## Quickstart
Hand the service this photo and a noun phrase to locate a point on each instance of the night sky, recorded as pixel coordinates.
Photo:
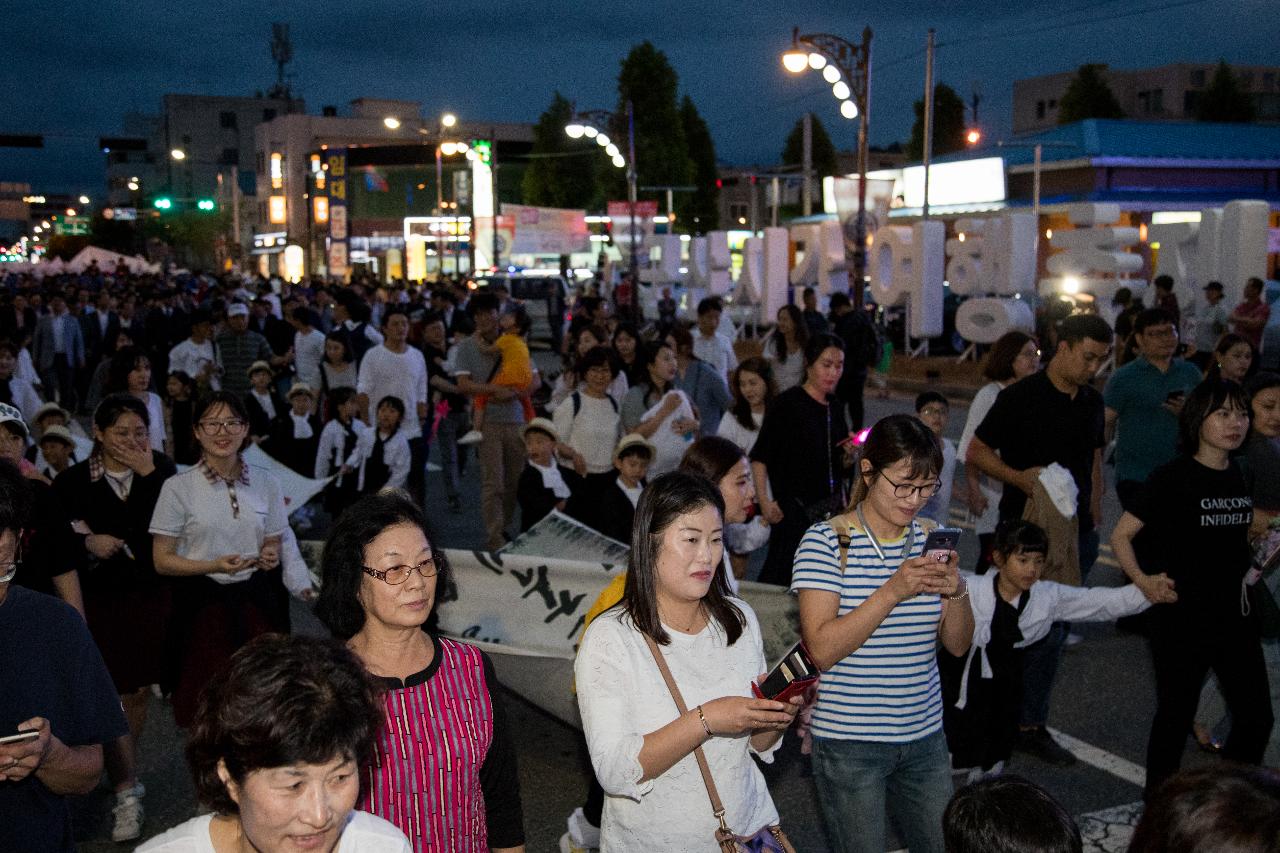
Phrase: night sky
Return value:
(71, 69)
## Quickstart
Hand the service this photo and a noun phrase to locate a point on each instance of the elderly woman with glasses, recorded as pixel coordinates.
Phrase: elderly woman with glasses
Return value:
(443, 768)
(217, 529)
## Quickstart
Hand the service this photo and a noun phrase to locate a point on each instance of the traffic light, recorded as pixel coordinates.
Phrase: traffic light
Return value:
(163, 203)
(205, 204)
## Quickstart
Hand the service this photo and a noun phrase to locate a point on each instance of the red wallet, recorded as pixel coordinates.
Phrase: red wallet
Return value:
(793, 675)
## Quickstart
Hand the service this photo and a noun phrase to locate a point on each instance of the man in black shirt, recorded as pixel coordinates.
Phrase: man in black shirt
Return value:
(1051, 416)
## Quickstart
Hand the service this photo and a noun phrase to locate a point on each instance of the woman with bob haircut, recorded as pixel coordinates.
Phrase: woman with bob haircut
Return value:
(1191, 522)
(217, 528)
(1013, 357)
(677, 597)
(275, 752)
(110, 498)
(443, 768)
(872, 611)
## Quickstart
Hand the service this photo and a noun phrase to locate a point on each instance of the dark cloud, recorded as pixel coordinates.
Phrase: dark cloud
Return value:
(77, 66)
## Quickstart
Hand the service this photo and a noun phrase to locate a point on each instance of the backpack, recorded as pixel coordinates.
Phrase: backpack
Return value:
(577, 402)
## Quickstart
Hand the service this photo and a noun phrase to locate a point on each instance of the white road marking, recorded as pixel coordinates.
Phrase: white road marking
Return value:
(1097, 757)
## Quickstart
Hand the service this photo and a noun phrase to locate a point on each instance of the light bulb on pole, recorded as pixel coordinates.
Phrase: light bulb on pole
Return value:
(178, 154)
(391, 122)
(575, 131)
(448, 120)
(795, 60)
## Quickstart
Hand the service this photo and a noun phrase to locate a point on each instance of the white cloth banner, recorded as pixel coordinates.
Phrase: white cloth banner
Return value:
(563, 538)
(297, 489)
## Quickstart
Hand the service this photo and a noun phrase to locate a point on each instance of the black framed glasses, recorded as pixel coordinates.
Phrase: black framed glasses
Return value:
(397, 575)
(903, 491)
(230, 426)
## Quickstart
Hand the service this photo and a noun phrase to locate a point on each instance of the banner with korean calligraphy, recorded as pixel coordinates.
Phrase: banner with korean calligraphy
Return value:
(336, 187)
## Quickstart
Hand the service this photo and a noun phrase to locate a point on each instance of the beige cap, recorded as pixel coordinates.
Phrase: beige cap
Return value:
(542, 425)
(260, 365)
(59, 432)
(633, 439)
(300, 388)
(50, 409)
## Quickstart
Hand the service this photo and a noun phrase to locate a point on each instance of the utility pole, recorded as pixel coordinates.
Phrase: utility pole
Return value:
(807, 165)
(928, 120)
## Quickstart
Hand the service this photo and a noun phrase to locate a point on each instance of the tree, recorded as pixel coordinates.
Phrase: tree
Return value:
(823, 151)
(1225, 100)
(703, 209)
(1088, 96)
(562, 171)
(648, 81)
(948, 124)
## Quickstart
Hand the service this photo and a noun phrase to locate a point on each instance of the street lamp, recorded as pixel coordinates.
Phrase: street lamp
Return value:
(847, 67)
(584, 124)
(178, 154)
(391, 123)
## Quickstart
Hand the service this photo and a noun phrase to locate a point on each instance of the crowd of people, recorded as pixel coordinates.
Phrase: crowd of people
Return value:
(143, 548)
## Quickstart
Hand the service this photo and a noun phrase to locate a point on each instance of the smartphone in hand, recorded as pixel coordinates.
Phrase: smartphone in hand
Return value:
(791, 677)
(941, 542)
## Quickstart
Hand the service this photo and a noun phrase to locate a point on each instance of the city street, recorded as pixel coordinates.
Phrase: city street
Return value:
(1102, 702)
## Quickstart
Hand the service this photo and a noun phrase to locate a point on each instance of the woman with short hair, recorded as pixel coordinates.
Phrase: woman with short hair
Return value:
(217, 528)
(677, 605)
(275, 753)
(110, 498)
(1191, 523)
(443, 768)
(1014, 356)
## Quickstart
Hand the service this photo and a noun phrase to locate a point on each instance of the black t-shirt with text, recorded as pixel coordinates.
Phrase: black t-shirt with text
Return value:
(1195, 528)
(1033, 424)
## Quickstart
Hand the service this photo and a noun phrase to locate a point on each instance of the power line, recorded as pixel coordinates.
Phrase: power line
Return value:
(1068, 24)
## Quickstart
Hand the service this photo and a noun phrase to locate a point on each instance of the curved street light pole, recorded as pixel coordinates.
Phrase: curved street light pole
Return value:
(854, 64)
(604, 118)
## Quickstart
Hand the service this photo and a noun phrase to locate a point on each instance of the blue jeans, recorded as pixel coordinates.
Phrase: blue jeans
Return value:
(857, 778)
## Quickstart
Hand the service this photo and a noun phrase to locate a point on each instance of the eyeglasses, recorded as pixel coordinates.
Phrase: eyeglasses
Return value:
(126, 434)
(397, 575)
(903, 491)
(229, 426)
(8, 570)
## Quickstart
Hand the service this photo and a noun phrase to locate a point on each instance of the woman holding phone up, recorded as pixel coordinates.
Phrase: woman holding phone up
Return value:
(872, 609)
(217, 528)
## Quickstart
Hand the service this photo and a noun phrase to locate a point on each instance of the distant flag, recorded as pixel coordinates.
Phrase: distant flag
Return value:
(373, 180)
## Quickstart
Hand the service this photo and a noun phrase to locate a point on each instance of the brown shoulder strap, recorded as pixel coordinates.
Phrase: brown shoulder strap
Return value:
(840, 525)
(716, 805)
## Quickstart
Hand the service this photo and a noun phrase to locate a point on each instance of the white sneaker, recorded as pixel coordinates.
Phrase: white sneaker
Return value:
(582, 834)
(472, 437)
(128, 815)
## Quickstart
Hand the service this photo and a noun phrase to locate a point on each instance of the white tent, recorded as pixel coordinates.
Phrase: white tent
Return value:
(108, 261)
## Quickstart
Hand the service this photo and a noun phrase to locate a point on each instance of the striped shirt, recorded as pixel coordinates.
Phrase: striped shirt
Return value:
(887, 690)
(426, 772)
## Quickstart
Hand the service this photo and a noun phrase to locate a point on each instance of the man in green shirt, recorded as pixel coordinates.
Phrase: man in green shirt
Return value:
(1143, 399)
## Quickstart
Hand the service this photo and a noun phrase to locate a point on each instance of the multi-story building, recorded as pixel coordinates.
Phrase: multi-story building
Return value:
(389, 183)
(1167, 92)
(193, 149)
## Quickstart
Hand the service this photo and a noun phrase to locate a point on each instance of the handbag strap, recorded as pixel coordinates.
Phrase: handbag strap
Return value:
(716, 805)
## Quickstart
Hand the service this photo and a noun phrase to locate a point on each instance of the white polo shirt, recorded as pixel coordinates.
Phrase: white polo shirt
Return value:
(196, 508)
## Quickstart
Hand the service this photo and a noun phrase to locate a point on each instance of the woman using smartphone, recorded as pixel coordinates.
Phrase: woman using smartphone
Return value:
(872, 610)
(641, 746)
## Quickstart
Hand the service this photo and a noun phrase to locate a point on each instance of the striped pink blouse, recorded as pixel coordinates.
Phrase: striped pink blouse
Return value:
(425, 773)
